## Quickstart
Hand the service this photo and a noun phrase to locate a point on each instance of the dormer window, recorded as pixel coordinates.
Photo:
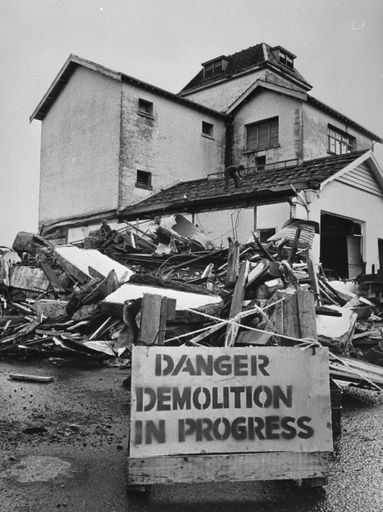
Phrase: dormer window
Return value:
(285, 58)
(214, 67)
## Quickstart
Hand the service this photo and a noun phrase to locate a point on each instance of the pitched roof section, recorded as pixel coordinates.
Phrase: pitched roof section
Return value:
(260, 187)
(261, 55)
(73, 62)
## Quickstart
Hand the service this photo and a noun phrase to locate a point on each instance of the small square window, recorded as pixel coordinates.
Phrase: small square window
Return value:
(145, 107)
(260, 162)
(265, 234)
(144, 179)
(207, 129)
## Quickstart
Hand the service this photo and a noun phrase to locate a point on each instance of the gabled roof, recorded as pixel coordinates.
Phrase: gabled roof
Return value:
(261, 84)
(259, 187)
(73, 62)
(258, 56)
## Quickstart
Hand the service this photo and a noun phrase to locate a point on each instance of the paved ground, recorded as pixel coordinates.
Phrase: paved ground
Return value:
(64, 446)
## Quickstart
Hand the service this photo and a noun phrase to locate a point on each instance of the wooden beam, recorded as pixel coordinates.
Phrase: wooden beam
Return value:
(306, 311)
(232, 262)
(313, 277)
(153, 319)
(238, 467)
(237, 303)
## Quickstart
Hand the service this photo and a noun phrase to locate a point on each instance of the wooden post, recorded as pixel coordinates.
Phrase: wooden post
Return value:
(237, 304)
(153, 319)
(306, 310)
(290, 313)
(232, 262)
(313, 277)
(295, 316)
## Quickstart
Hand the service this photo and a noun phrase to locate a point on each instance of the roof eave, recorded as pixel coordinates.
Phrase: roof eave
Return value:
(72, 62)
(274, 195)
(342, 117)
(172, 96)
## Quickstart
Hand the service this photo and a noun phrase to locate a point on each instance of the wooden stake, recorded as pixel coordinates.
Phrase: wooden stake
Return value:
(313, 277)
(237, 304)
(232, 262)
(306, 310)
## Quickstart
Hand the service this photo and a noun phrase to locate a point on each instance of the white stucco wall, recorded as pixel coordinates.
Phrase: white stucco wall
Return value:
(222, 95)
(315, 123)
(341, 199)
(170, 145)
(80, 148)
(272, 215)
(266, 104)
(218, 226)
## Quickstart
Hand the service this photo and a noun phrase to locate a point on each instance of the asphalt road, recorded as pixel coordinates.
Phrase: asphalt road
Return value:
(64, 447)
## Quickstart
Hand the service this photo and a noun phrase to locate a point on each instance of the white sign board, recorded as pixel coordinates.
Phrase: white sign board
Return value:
(188, 400)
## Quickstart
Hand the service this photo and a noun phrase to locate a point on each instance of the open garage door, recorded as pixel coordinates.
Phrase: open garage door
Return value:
(341, 246)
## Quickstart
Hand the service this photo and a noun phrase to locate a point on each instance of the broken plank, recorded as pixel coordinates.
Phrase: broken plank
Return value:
(227, 467)
(364, 334)
(206, 334)
(28, 278)
(237, 303)
(30, 378)
(52, 278)
(232, 262)
(153, 319)
(306, 311)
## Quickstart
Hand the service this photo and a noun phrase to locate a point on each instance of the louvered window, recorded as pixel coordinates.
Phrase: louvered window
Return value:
(262, 135)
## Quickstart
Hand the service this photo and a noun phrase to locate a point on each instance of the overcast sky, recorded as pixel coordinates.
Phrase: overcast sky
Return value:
(338, 43)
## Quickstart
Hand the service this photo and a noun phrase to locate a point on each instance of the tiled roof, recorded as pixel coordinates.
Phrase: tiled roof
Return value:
(257, 187)
(241, 61)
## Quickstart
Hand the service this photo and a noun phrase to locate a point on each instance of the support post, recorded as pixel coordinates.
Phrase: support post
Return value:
(153, 319)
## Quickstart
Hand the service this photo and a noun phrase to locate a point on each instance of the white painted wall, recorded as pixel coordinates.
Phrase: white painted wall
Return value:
(222, 95)
(315, 123)
(341, 199)
(80, 149)
(170, 146)
(218, 226)
(265, 104)
(272, 215)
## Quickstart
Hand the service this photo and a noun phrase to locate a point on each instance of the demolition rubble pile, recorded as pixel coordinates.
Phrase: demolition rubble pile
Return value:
(168, 284)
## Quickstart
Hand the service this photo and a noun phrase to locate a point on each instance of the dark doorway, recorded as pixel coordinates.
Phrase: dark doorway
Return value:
(340, 247)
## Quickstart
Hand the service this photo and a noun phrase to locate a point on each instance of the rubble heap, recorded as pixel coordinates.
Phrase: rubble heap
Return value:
(168, 284)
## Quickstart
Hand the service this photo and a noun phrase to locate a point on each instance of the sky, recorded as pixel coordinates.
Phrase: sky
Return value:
(338, 44)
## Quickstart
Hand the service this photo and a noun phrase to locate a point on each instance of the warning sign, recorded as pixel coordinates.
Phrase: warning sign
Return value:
(187, 400)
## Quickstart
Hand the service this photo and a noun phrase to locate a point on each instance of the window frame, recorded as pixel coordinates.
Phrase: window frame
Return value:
(271, 143)
(265, 233)
(286, 60)
(214, 67)
(209, 133)
(339, 139)
(141, 183)
(145, 108)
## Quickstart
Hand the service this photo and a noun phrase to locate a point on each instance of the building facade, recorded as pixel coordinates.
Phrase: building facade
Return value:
(110, 141)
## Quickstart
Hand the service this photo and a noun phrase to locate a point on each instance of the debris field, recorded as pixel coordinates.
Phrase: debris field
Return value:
(165, 283)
